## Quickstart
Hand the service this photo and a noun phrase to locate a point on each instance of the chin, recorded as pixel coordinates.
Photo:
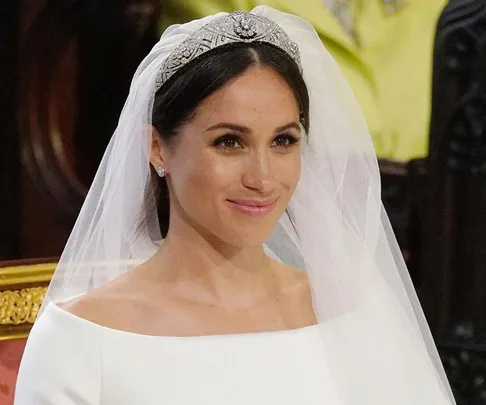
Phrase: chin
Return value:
(241, 231)
(248, 232)
(245, 238)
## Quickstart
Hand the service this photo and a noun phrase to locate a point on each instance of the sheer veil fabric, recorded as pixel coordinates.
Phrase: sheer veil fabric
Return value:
(375, 339)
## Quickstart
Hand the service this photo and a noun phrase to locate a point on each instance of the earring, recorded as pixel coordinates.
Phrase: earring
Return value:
(160, 171)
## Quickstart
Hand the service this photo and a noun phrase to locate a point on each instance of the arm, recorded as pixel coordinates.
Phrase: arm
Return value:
(61, 363)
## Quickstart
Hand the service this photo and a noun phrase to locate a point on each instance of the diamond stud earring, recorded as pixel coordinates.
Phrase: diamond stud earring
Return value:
(160, 171)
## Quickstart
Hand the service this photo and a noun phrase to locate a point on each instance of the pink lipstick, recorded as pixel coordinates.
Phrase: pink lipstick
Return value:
(253, 207)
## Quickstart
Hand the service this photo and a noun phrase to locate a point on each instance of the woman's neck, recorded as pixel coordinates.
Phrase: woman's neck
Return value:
(188, 257)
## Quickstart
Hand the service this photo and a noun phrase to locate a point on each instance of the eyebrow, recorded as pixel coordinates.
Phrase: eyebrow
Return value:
(246, 130)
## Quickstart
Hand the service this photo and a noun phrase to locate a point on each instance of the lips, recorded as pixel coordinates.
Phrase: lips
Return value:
(253, 207)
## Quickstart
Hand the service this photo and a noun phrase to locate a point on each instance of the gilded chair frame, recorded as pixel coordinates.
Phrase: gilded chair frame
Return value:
(22, 289)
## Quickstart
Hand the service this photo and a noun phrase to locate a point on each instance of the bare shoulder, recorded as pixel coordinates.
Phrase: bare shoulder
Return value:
(292, 279)
(97, 307)
(296, 293)
(109, 305)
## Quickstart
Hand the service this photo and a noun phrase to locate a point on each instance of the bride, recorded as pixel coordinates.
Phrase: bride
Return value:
(278, 280)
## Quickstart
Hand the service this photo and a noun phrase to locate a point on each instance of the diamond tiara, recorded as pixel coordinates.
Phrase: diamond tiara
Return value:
(232, 28)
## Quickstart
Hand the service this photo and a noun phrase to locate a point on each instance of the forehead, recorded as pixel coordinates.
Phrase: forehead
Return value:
(259, 95)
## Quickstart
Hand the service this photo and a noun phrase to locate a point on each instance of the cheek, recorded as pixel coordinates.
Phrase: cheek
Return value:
(289, 171)
(199, 179)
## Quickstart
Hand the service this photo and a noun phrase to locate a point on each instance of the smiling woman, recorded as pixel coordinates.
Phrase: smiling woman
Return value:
(259, 99)
(240, 150)
(242, 128)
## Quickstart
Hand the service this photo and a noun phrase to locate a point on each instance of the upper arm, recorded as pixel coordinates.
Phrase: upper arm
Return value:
(61, 363)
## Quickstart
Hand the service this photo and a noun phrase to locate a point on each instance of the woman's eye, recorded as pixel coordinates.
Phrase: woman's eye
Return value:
(285, 141)
(228, 142)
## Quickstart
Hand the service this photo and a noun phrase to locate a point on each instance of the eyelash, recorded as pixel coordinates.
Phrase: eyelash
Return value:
(220, 142)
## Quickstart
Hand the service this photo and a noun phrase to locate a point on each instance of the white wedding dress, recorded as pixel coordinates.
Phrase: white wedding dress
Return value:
(71, 361)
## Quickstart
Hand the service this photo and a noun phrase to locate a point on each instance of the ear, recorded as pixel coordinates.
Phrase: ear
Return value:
(158, 150)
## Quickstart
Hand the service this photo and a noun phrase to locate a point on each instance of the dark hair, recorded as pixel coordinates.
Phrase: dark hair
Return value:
(177, 100)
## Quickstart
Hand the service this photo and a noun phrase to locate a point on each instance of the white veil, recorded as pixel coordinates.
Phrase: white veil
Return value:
(375, 339)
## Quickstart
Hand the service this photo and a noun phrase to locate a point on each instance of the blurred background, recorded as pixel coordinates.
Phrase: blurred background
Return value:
(417, 68)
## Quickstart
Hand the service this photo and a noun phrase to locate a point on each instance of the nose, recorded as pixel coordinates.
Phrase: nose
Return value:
(258, 175)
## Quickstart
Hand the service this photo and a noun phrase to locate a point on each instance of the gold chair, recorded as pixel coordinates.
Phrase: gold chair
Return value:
(23, 285)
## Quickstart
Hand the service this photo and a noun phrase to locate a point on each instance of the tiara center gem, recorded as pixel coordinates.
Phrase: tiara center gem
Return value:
(245, 28)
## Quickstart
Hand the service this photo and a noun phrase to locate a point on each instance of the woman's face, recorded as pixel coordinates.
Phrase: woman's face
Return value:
(237, 162)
